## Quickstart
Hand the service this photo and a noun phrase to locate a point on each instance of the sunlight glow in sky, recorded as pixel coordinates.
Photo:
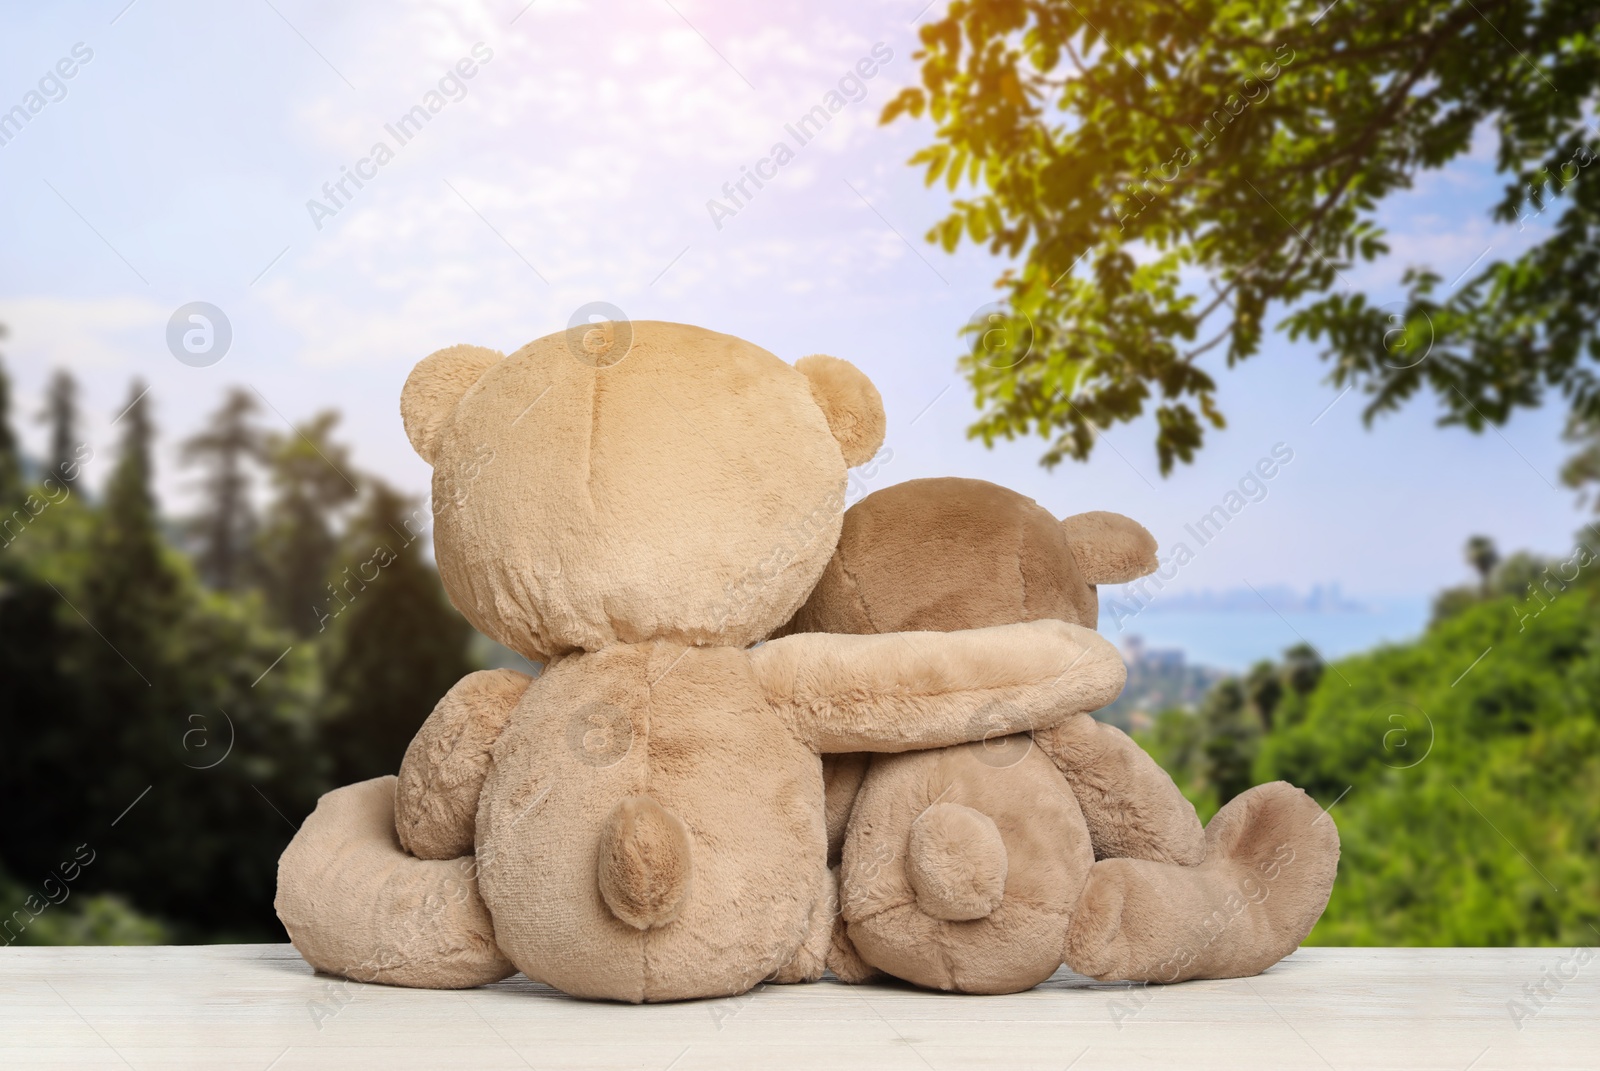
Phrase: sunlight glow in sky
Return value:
(231, 154)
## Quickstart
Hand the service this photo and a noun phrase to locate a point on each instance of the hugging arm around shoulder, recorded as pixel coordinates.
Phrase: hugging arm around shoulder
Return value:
(906, 690)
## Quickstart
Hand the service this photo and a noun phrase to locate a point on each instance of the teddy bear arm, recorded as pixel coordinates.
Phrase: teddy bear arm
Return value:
(436, 803)
(1132, 807)
(907, 690)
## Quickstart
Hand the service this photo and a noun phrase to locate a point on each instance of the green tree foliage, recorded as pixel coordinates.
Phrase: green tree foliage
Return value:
(10, 454)
(131, 584)
(1582, 470)
(1232, 735)
(61, 416)
(299, 542)
(41, 701)
(175, 732)
(1520, 574)
(1472, 813)
(1465, 768)
(129, 594)
(1483, 557)
(54, 915)
(396, 644)
(1177, 740)
(1302, 669)
(227, 525)
(1122, 149)
(130, 672)
(1264, 689)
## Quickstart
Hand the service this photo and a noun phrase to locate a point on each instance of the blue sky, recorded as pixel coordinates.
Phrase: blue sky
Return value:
(576, 167)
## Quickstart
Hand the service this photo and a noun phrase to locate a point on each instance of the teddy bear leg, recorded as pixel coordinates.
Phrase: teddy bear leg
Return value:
(816, 949)
(841, 781)
(436, 802)
(962, 865)
(1133, 809)
(844, 960)
(1271, 856)
(356, 905)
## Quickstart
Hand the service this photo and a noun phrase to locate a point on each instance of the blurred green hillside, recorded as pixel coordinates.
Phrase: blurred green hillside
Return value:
(1463, 769)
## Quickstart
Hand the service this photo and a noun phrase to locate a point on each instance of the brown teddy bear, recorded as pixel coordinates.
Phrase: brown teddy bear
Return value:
(974, 867)
(634, 505)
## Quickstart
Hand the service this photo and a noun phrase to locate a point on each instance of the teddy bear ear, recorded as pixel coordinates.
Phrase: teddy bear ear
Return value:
(851, 403)
(434, 387)
(1110, 548)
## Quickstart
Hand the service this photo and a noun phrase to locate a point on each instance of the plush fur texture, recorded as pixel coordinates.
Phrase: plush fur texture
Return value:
(956, 861)
(1130, 803)
(433, 388)
(726, 741)
(647, 817)
(1110, 548)
(841, 780)
(920, 870)
(445, 765)
(907, 690)
(927, 553)
(1016, 944)
(357, 905)
(1271, 857)
(851, 403)
(688, 492)
(645, 863)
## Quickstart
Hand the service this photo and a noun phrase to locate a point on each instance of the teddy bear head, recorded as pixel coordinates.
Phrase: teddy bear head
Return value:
(950, 553)
(629, 481)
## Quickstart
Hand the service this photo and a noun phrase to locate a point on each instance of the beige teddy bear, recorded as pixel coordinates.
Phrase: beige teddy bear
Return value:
(975, 867)
(635, 505)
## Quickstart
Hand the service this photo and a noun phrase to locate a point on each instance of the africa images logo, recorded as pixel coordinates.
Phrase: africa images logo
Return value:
(52, 88)
(452, 88)
(850, 89)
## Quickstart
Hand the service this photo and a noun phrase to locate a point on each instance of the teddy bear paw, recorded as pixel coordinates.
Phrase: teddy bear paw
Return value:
(1097, 945)
(1283, 851)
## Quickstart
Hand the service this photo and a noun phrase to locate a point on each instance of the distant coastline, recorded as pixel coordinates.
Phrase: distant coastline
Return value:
(1229, 635)
(1279, 598)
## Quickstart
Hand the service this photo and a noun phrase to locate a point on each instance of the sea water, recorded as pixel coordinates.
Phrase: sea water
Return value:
(1234, 639)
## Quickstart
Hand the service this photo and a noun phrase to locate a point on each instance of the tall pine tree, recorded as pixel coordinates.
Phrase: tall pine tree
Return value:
(227, 523)
(133, 672)
(29, 684)
(130, 576)
(397, 643)
(10, 454)
(60, 414)
(299, 543)
(42, 756)
(191, 732)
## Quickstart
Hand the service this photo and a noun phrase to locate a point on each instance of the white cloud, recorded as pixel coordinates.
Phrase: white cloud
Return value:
(87, 335)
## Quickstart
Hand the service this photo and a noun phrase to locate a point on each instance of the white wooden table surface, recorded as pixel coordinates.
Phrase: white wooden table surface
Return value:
(257, 1007)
